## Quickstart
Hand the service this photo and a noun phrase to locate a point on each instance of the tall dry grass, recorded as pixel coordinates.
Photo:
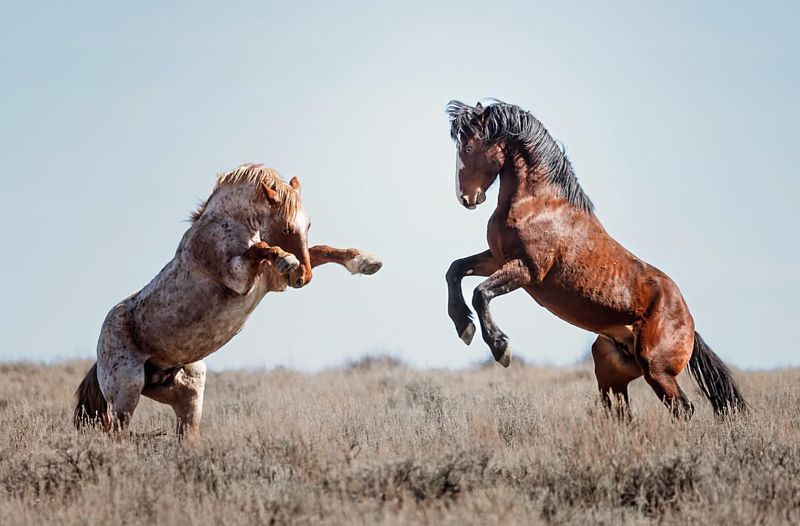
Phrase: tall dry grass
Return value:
(378, 443)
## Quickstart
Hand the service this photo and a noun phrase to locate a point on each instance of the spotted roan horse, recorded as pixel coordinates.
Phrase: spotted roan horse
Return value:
(249, 238)
(545, 238)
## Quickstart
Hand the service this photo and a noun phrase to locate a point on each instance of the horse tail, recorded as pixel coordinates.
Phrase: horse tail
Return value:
(92, 407)
(714, 379)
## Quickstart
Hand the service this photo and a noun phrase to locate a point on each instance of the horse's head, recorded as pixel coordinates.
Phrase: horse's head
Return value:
(478, 159)
(286, 226)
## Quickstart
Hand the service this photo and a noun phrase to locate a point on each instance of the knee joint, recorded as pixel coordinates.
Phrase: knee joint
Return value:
(195, 370)
(453, 273)
(479, 297)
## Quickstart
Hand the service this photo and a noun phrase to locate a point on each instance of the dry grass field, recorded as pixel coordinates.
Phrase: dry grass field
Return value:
(378, 443)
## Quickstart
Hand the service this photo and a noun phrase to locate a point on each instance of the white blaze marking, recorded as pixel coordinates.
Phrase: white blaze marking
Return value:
(301, 221)
(459, 166)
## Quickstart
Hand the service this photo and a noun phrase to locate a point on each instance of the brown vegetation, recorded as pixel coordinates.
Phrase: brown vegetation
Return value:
(376, 442)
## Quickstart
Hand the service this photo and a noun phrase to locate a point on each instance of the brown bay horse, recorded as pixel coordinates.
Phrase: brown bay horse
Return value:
(545, 238)
(249, 238)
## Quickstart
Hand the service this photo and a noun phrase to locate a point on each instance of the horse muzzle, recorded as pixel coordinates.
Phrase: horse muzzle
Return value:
(471, 202)
(298, 278)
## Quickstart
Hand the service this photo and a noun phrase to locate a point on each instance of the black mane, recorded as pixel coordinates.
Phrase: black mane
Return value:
(499, 120)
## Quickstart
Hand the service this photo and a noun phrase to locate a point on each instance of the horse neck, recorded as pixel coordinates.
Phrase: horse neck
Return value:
(523, 181)
(235, 201)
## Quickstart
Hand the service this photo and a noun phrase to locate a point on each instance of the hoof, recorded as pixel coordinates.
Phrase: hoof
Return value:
(287, 264)
(505, 358)
(501, 350)
(467, 334)
(364, 264)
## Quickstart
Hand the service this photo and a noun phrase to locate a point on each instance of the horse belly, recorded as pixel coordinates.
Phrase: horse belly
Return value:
(578, 310)
(185, 326)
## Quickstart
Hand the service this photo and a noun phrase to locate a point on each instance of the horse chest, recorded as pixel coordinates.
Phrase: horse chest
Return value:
(506, 236)
(184, 321)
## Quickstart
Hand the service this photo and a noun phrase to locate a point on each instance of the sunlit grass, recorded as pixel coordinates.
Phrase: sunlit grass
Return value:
(377, 442)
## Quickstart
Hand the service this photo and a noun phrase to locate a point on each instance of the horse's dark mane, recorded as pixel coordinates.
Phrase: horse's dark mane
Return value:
(499, 120)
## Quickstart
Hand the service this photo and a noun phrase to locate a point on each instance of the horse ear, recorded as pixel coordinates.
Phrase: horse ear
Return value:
(295, 183)
(479, 108)
(271, 194)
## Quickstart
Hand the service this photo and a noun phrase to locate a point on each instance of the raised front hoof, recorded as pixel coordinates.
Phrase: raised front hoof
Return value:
(364, 264)
(467, 333)
(505, 358)
(501, 351)
(287, 263)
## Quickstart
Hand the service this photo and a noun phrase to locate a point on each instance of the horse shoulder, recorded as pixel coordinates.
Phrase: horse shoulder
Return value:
(217, 249)
(212, 244)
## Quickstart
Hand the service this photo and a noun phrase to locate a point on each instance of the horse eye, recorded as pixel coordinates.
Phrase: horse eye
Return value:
(468, 149)
(286, 230)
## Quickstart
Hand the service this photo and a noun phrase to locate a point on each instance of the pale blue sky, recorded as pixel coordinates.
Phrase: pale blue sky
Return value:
(681, 120)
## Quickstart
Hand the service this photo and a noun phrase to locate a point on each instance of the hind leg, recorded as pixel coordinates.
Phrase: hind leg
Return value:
(184, 392)
(667, 389)
(120, 369)
(663, 348)
(614, 369)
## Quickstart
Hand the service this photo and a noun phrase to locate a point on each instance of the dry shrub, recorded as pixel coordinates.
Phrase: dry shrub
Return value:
(378, 442)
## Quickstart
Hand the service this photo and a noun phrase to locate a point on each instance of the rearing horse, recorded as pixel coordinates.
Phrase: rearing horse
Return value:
(545, 238)
(249, 238)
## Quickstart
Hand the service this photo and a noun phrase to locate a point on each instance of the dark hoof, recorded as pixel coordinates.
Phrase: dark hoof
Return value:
(501, 350)
(468, 333)
(505, 358)
(371, 268)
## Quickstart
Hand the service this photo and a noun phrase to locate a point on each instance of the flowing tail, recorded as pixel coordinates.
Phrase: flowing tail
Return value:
(715, 379)
(92, 407)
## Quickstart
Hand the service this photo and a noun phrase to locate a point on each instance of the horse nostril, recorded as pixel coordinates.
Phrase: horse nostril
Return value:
(298, 283)
(465, 200)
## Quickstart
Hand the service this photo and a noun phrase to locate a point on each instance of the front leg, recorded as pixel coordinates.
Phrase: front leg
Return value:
(240, 273)
(511, 276)
(352, 259)
(282, 261)
(226, 254)
(482, 264)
